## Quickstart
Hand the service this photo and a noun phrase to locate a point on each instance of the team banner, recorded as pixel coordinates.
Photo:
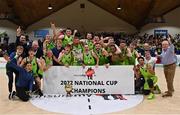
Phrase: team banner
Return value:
(89, 80)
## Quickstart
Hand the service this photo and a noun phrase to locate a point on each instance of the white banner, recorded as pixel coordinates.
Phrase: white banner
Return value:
(90, 80)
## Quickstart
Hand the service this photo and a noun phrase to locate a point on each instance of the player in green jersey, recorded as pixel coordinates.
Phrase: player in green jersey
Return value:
(35, 67)
(66, 57)
(102, 54)
(89, 57)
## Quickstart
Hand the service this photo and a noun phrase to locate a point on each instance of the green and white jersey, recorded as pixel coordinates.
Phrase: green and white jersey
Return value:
(67, 40)
(115, 59)
(124, 58)
(102, 59)
(66, 59)
(108, 49)
(48, 61)
(147, 75)
(88, 58)
(50, 45)
(34, 65)
(90, 44)
(133, 58)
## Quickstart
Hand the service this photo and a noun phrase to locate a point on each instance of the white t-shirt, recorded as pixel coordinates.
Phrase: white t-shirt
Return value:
(152, 61)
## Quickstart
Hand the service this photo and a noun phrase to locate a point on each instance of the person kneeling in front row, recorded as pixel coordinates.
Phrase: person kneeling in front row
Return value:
(24, 84)
(150, 79)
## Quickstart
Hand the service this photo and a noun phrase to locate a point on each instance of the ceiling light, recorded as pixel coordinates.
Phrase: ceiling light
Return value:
(119, 7)
(50, 7)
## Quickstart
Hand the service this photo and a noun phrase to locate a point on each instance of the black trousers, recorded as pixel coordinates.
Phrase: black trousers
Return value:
(139, 83)
(9, 73)
(21, 93)
(151, 85)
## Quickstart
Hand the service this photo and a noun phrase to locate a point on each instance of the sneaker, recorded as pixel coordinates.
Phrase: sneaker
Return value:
(150, 96)
(105, 97)
(40, 93)
(120, 97)
(35, 92)
(114, 96)
(13, 95)
(10, 95)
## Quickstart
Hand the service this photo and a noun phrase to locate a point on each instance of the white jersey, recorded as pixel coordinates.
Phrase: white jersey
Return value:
(152, 61)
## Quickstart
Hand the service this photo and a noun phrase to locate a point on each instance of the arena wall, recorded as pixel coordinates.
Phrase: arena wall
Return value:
(172, 24)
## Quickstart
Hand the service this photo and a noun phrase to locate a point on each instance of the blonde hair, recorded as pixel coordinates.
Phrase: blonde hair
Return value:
(35, 42)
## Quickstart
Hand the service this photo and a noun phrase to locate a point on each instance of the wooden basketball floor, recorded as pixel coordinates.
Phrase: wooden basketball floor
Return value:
(157, 106)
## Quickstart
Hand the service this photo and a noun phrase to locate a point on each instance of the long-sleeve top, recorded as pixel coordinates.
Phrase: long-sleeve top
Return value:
(25, 79)
(12, 56)
(56, 52)
(168, 56)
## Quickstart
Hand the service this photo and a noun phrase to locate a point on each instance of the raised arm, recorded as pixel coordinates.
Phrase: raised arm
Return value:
(102, 41)
(53, 27)
(171, 46)
(74, 33)
(104, 52)
(129, 54)
(18, 32)
(137, 54)
(14, 66)
(118, 50)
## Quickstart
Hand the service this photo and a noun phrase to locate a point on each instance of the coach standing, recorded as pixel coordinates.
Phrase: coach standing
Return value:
(168, 59)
